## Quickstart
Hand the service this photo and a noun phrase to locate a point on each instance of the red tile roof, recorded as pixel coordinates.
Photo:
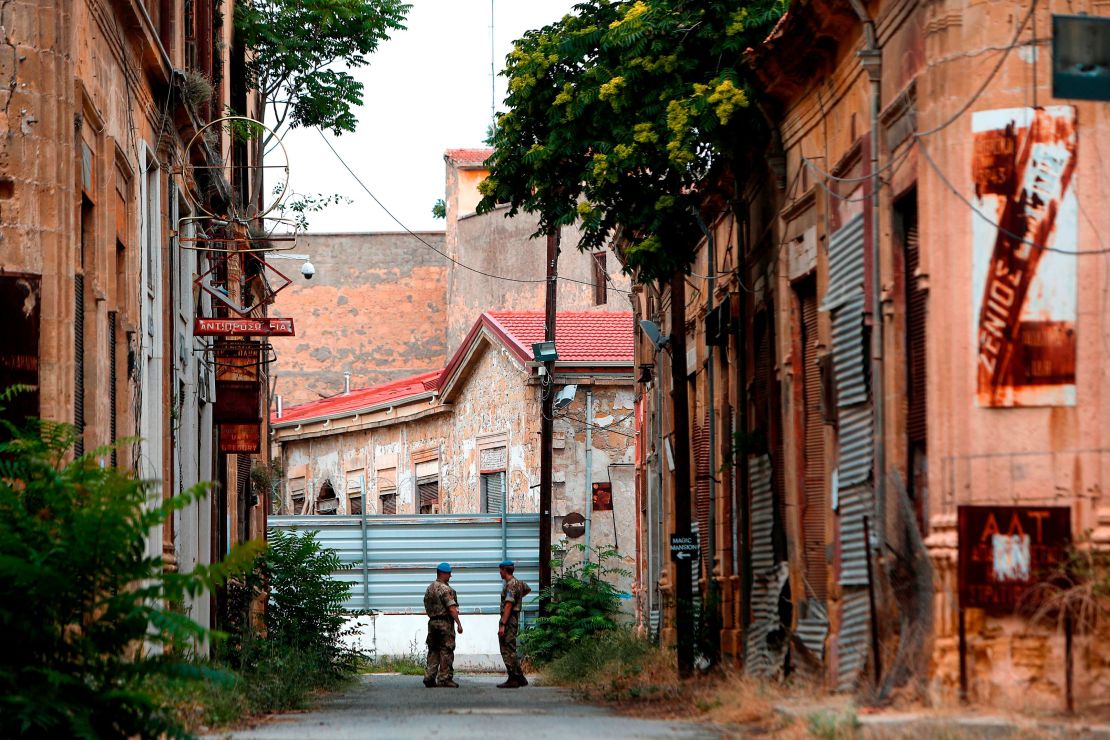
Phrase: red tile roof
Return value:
(580, 336)
(358, 400)
(468, 157)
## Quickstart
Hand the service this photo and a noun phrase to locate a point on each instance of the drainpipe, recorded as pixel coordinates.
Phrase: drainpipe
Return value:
(589, 464)
(871, 60)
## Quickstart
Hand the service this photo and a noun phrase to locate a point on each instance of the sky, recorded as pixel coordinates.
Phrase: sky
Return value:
(427, 90)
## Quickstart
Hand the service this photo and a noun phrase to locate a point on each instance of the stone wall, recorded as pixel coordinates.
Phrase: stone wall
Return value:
(376, 308)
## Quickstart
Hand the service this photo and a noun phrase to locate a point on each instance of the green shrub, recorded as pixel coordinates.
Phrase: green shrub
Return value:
(87, 626)
(607, 655)
(581, 603)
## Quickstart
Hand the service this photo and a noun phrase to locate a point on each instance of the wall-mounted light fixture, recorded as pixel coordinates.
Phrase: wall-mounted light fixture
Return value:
(544, 352)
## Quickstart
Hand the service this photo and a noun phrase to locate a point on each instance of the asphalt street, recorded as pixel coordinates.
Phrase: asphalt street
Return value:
(395, 706)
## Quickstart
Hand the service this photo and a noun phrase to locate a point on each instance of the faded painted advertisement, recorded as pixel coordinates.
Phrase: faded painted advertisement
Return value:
(1025, 290)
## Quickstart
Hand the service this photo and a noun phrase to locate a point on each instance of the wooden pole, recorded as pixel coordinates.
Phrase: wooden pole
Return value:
(547, 423)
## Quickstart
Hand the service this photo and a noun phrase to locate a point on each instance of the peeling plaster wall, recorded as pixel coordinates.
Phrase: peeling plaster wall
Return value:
(376, 308)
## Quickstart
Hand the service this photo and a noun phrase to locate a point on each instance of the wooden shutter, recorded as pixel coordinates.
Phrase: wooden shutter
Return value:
(916, 308)
(702, 482)
(79, 362)
(113, 354)
(814, 512)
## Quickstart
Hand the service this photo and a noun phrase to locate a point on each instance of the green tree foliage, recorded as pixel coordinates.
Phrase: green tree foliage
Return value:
(298, 46)
(622, 114)
(86, 610)
(581, 604)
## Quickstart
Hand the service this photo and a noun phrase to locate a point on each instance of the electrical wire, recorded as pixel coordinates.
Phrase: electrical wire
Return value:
(443, 254)
(1002, 230)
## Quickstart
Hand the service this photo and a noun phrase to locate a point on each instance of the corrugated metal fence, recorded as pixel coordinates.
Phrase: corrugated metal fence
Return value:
(390, 560)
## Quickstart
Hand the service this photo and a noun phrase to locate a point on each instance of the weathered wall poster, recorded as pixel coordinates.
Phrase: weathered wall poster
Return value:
(1025, 294)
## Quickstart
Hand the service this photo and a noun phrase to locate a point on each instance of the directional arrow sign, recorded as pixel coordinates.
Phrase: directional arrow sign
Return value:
(683, 546)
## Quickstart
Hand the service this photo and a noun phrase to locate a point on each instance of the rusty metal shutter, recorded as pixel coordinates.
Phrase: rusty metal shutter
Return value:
(763, 657)
(814, 513)
(845, 264)
(702, 482)
(79, 362)
(428, 494)
(916, 308)
(851, 640)
(389, 503)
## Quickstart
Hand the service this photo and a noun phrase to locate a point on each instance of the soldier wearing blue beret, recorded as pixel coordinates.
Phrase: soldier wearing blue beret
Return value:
(512, 598)
(442, 605)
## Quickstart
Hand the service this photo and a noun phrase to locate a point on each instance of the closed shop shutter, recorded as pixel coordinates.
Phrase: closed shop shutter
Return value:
(702, 483)
(814, 457)
(493, 493)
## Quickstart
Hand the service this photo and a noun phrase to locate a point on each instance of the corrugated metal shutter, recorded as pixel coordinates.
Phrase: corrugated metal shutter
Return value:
(702, 482)
(916, 314)
(851, 641)
(814, 516)
(493, 493)
(855, 445)
(848, 353)
(428, 492)
(763, 659)
(389, 503)
(79, 362)
(845, 264)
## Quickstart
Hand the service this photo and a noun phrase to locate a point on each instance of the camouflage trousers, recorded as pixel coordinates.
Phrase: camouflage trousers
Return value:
(441, 651)
(507, 642)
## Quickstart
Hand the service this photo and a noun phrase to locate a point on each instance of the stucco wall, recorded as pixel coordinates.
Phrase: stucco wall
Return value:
(376, 308)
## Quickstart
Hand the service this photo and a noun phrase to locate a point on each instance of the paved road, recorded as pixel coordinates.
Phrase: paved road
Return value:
(394, 706)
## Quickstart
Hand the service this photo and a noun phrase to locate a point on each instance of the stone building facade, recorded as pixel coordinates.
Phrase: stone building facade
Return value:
(95, 117)
(898, 144)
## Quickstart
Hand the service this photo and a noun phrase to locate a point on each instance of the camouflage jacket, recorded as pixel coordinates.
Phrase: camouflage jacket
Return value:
(513, 592)
(438, 600)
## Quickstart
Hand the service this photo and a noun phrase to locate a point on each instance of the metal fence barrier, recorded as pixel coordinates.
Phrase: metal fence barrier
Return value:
(390, 560)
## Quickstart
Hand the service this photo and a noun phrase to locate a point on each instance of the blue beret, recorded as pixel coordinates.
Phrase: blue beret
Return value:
(506, 564)
(444, 567)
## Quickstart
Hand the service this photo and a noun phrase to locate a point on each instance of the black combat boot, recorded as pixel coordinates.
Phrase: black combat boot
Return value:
(520, 679)
(448, 684)
(430, 683)
(510, 683)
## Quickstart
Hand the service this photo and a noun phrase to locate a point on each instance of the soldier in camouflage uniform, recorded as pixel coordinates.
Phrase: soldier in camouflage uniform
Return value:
(442, 606)
(512, 598)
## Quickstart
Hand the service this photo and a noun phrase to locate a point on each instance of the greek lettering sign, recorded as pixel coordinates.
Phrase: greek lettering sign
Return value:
(1005, 550)
(266, 327)
(1022, 167)
(684, 547)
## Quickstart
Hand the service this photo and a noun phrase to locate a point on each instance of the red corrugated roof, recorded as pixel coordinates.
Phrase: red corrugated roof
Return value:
(580, 336)
(468, 156)
(363, 398)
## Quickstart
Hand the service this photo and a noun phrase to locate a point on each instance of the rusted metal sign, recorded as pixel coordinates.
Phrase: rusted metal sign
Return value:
(266, 327)
(1022, 168)
(603, 496)
(1005, 550)
(21, 311)
(243, 439)
(238, 360)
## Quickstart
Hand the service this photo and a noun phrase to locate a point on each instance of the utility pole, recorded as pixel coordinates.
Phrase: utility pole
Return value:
(547, 427)
(683, 589)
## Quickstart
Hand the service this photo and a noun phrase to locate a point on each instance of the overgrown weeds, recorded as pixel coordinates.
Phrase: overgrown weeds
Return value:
(409, 664)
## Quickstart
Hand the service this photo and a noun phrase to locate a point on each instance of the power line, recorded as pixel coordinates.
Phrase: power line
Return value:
(430, 246)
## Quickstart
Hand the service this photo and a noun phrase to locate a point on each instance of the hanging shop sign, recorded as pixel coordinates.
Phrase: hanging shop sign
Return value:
(242, 439)
(238, 388)
(1004, 551)
(265, 327)
(1025, 290)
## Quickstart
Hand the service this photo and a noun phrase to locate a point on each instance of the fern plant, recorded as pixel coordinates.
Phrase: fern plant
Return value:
(581, 603)
(88, 612)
